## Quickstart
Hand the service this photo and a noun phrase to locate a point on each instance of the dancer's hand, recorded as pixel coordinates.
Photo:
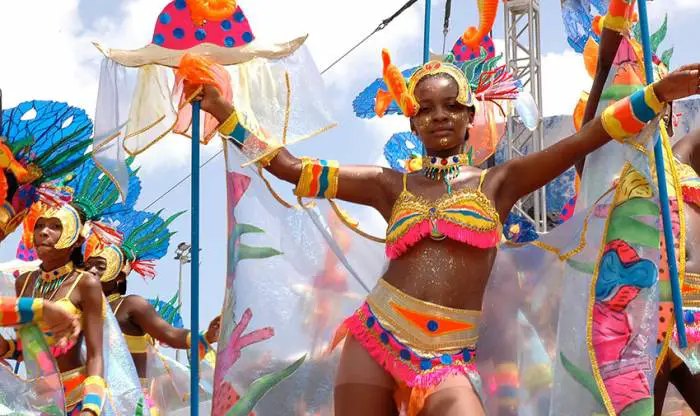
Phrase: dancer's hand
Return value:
(213, 331)
(681, 83)
(209, 97)
(64, 326)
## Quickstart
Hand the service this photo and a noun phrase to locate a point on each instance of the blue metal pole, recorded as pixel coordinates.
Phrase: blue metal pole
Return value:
(426, 32)
(194, 348)
(663, 190)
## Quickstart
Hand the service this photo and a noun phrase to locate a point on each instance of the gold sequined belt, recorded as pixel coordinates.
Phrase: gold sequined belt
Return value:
(426, 327)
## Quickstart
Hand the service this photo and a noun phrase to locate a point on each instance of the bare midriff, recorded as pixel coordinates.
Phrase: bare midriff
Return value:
(446, 272)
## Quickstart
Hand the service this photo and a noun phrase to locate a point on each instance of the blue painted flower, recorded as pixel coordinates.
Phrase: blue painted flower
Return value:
(613, 273)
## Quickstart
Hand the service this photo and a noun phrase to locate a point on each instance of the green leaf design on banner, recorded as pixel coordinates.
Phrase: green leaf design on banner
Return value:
(659, 35)
(52, 410)
(241, 229)
(139, 408)
(637, 31)
(248, 252)
(260, 387)
(640, 408)
(666, 57)
(624, 226)
(583, 378)
(583, 267)
(665, 292)
(618, 92)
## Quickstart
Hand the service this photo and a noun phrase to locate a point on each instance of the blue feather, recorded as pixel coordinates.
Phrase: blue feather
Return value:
(52, 135)
(169, 311)
(145, 234)
(578, 18)
(97, 195)
(364, 102)
(400, 148)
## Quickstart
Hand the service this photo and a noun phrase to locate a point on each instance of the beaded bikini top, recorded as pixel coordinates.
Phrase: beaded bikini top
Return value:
(465, 215)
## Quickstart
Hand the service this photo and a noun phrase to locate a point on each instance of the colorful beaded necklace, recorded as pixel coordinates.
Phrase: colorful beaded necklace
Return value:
(446, 169)
(49, 282)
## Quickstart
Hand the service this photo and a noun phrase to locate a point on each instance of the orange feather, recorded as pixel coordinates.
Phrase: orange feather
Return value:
(487, 17)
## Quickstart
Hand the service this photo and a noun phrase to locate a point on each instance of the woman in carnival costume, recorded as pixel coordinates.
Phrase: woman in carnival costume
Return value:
(40, 142)
(145, 240)
(415, 338)
(55, 234)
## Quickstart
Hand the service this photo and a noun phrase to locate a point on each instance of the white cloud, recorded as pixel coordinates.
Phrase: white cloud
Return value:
(564, 77)
(56, 60)
(661, 7)
(42, 60)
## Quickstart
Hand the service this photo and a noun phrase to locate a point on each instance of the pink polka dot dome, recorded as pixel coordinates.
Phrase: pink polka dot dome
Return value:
(176, 30)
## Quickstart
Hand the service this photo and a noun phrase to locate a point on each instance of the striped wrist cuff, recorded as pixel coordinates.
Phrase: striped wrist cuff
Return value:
(20, 311)
(232, 129)
(629, 116)
(94, 393)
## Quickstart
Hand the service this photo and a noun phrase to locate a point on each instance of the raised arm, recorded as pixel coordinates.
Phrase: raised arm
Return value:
(609, 43)
(366, 185)
(522, 176)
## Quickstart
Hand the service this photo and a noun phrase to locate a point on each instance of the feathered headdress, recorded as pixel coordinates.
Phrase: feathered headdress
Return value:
(145, 238)
(96, 196)
(41, 142)
(482, 82)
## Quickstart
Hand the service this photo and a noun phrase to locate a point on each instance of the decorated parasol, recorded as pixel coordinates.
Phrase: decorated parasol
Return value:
(206, 42)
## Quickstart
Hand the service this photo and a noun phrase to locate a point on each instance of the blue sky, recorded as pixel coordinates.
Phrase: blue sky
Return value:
(46, 54)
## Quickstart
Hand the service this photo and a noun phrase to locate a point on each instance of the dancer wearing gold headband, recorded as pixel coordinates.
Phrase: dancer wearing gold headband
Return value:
(57, 236)
(415, 338)
(145, 240)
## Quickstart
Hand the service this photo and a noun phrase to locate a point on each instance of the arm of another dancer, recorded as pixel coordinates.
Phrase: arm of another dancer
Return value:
(20, 311)
(609, 43)
(145, 316)
(366, 185)
(524, 175)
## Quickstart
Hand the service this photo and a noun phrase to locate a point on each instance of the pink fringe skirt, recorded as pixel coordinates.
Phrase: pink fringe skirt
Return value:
(419, 343)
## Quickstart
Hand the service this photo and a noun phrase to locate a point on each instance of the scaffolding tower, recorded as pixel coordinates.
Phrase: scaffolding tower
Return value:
(523, 58)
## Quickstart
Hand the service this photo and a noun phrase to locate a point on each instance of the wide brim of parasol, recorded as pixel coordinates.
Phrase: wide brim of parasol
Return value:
(158, 55)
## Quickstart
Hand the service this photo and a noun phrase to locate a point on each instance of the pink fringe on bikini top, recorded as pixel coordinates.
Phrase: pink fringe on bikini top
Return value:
(479, 239)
